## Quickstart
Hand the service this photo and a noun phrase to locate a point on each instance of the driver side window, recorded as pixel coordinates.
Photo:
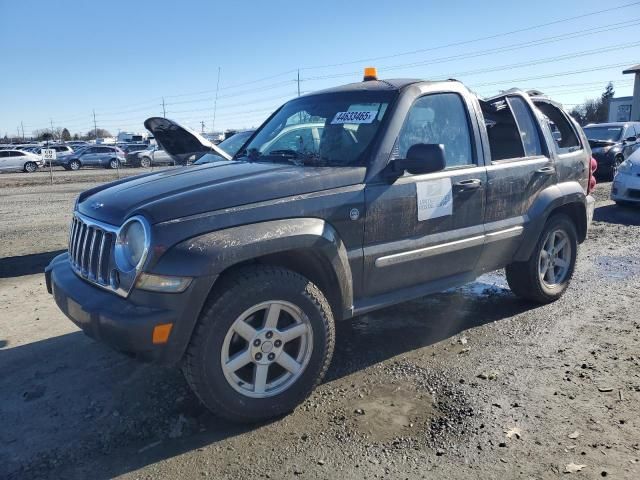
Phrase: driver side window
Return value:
(438, 119)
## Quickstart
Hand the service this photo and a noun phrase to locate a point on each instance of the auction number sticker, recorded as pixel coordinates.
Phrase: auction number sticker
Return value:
(434, 199)
(354, 117)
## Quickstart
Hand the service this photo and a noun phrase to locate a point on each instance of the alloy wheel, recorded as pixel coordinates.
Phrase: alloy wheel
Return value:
(555, 258)
(267, 348)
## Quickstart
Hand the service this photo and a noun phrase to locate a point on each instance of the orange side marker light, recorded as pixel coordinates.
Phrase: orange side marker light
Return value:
(161, 333)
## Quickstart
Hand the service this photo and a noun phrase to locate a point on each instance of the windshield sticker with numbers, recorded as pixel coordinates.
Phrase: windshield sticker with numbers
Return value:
(434, 199)
(354, 117)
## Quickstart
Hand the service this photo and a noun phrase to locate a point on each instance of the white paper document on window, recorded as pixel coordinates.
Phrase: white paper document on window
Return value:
(434, 198)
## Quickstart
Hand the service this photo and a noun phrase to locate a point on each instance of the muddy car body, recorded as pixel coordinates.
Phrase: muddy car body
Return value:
(237, 270)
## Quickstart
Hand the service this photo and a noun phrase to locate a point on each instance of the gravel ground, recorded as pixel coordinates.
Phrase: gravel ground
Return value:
(470, 383)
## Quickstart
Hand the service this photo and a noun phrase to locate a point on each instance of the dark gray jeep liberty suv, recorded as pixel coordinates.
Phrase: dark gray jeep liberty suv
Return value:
(344, 201)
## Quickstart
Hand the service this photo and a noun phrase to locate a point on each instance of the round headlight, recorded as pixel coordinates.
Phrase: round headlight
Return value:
(132, 244)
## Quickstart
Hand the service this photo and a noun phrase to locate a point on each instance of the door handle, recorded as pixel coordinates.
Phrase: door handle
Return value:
(471, 184)
(546, 170)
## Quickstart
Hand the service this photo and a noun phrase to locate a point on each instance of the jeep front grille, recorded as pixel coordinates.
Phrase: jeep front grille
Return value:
(91, 249)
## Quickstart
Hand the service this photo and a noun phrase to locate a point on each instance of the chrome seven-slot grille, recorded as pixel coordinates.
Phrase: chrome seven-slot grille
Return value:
(90, 247)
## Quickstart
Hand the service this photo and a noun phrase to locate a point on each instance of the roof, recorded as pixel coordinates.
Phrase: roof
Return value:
(634, 69)
(371, 85)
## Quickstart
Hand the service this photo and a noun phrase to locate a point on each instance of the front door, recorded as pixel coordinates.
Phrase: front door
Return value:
(90, 157)
(427, 229)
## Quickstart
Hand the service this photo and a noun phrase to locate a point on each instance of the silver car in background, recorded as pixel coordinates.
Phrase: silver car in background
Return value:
(153, 155)
(19, 161)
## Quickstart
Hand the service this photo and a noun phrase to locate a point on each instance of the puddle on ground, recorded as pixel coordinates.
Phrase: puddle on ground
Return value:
(617, 267)
(489, 284)
(394, 411)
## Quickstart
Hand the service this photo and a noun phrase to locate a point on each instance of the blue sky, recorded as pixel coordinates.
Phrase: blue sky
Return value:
(120, 58)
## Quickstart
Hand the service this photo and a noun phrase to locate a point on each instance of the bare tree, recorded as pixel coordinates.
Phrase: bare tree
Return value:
(594, 110)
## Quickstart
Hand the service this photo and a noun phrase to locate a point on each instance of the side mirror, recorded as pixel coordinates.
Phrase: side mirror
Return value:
(631, 139)
(421, 158)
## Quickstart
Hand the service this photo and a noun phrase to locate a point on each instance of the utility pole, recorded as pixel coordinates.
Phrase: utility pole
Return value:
(215, 103)
(164, 110)
(22, 126)
(95, 125)
(202, 126)
(51, 121)
(298, 82)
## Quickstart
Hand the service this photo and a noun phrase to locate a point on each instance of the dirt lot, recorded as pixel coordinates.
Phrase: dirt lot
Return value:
(471, 383)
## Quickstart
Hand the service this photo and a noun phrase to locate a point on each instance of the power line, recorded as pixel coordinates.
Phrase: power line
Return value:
(481, 53)
(473, 40)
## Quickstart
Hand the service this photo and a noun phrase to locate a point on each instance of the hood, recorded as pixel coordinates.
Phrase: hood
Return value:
(184, 191)
(181, 143)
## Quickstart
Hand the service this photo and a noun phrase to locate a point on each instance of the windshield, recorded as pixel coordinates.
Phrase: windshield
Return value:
(607, 134)
(333, 129)
(232, 144)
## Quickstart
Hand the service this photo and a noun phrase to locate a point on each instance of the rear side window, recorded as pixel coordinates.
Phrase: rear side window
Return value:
(566, 139)
(16, 154)
(527, 127)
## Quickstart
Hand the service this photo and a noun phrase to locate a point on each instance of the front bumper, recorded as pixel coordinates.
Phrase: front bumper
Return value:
(126, 324)
(626, 188)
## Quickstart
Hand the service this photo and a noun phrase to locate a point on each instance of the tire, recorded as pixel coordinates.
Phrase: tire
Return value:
(616, 164)
(526, 279)
(30, 167)
(145, 162)
(113, 164)
(234, 394)
(74, 165)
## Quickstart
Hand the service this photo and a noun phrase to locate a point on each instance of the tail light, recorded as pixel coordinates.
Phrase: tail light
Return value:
(593, 166)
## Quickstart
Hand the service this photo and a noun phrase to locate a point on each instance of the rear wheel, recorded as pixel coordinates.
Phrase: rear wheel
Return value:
(145, 162)
(74, 165)
(30, 167)
(113, 164)
(547, 274)
(262, 343)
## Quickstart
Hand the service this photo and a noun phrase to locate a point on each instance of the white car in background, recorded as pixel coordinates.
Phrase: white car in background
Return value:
(626, 184)
(19, 161)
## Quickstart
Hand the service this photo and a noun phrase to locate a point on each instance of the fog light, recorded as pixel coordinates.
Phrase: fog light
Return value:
(162, 283)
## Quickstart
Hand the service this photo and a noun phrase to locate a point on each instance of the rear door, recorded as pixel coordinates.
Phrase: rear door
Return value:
(16, 159)
(520, 168)
(427, 229)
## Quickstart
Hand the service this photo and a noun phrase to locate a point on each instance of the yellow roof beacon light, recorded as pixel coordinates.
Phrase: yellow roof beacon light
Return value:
(370, 73)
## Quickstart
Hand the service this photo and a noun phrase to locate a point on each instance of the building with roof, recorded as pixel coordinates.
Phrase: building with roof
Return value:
(635, 101)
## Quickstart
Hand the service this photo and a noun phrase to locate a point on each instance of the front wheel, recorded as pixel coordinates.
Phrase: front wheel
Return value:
(546, 275)
(113, 164)
(617, 161)
(30, 167)
(74, 165)
(262, 343)
(145, 162)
